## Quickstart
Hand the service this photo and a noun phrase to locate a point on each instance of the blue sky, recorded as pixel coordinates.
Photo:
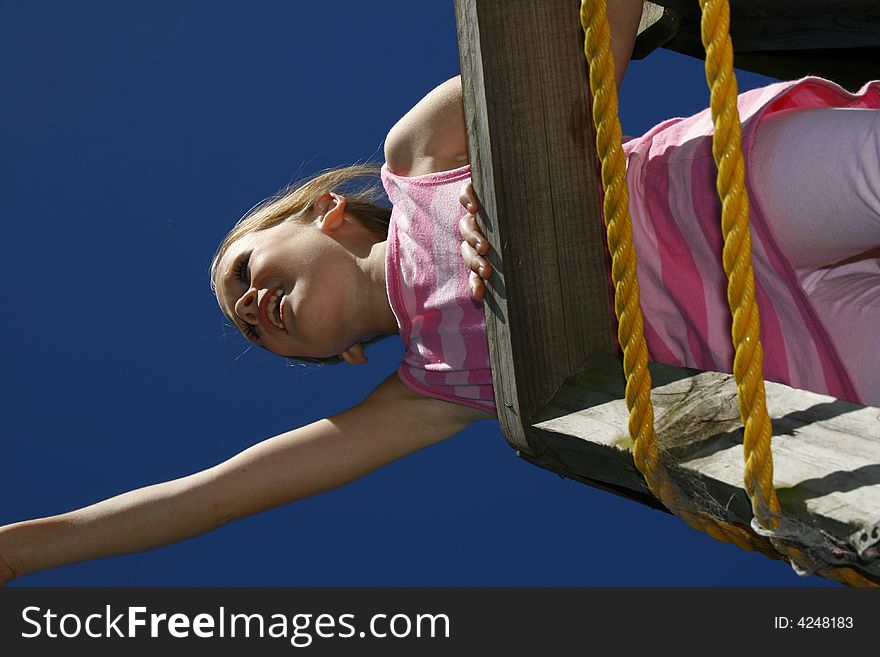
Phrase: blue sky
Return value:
(133, 136)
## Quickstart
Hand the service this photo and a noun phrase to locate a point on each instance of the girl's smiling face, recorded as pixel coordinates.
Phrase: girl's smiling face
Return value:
(297, 288)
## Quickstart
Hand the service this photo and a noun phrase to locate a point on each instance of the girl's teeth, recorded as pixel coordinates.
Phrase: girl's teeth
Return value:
(271, 306)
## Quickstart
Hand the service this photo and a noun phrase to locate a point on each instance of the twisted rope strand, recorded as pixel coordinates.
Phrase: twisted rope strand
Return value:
(745, 331)
(646, 453)
(748, 361)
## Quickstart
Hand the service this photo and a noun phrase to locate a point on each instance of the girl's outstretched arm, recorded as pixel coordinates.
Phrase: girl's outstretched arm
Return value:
(6, 572)
(390, 423)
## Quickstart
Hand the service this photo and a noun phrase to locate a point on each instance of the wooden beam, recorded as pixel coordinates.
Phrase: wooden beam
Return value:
(826, 452)
(534, 166)
(786, 39)
(758, 25)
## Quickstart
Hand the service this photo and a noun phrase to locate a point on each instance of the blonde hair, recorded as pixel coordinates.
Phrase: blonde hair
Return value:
(358, 183)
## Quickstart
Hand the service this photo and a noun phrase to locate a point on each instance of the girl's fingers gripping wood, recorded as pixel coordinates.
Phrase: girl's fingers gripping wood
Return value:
(471, 233)
(474, 259)
(478, 288)
(467, 226)
(474, 245)
(479, 266)
(475, 283)
(467, 197)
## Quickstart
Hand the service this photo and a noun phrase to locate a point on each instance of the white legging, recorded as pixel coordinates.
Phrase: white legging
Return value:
(816, 173)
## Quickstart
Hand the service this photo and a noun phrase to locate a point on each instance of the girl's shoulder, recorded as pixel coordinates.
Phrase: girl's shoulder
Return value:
(431, 137)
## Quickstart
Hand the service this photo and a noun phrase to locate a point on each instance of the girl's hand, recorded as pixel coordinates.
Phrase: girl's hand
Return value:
(475, 245)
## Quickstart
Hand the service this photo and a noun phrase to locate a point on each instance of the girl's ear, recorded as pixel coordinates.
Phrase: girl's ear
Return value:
(331, 211)
(354, 355)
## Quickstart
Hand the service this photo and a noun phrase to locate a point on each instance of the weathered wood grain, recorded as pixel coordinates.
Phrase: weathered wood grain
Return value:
(534, 170)
(826, 452)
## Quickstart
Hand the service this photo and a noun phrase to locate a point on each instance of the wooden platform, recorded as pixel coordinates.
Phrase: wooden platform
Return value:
(785, 39)
(558, 384)
(826, 451)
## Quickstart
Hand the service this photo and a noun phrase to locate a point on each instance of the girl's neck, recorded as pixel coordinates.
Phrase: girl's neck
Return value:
(380, 319)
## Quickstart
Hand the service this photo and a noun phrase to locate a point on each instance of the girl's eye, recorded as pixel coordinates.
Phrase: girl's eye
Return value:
(250, 332)
(241, 270)
(244, 275)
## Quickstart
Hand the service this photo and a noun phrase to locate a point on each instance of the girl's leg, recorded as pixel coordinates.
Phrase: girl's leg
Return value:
(816, 173)
(847, 300)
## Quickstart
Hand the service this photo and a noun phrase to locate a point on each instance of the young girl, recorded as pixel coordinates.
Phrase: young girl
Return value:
(312, 275)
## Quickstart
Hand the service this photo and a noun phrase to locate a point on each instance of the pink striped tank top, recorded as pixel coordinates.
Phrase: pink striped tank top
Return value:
(676, 230)
(442, 327)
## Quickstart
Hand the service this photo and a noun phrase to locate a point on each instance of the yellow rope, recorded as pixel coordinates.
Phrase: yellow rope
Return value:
(617, 221)
(737, 258)
(748, 361)
(646, 454)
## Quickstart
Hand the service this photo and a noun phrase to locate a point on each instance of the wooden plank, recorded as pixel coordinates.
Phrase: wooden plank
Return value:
(826, 452)
(549, 311)
(758, 25)
(786, 39)
(657, 26)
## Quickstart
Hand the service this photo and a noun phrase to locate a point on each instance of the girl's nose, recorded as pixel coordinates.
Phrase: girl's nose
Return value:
(246, 307)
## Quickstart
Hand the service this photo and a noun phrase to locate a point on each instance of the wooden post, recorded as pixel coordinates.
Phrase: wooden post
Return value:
(533, 155)
(558, 382)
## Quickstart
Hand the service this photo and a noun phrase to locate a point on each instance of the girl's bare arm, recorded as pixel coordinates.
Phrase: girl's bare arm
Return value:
(390, 423)
(623, 21)
(431, 136)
